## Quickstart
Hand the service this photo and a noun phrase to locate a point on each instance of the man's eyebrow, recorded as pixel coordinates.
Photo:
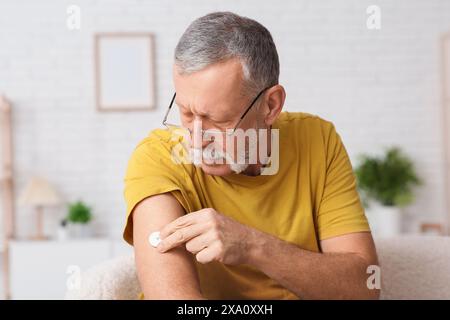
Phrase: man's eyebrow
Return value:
(202, 114)
(178, 103)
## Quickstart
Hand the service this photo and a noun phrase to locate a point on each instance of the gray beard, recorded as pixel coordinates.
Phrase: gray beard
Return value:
(218, 155)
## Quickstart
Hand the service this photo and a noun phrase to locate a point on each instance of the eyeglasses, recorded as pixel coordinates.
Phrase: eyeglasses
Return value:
(227, 131)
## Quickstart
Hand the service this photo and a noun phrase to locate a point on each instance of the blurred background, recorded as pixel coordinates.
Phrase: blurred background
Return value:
(376, 69)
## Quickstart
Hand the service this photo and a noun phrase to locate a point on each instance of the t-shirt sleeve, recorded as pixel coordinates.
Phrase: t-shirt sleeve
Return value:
(340, 211)
(150, 171)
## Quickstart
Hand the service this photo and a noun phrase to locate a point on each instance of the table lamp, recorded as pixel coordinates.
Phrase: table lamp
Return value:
(39, 194)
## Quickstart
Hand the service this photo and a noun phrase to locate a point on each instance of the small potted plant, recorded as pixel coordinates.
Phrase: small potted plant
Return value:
(79, 216)
(388, 181)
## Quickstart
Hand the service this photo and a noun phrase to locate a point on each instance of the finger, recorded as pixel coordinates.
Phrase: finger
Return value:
(197, 244)
(180, 236)
(177, 224)
(208, 254)
(181, 222)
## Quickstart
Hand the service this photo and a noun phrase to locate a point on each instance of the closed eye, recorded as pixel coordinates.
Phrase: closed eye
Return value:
(187, 114)
(184, 111)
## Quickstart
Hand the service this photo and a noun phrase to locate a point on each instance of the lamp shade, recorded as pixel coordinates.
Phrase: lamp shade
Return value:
(39, 192)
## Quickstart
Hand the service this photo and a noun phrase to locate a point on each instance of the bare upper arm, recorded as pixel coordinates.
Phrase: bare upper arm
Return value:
(170, 275)
(360, 243)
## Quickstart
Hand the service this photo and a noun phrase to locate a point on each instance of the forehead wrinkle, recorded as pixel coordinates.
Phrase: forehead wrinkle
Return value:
(200, 113)
(216, 110)
(192, 109)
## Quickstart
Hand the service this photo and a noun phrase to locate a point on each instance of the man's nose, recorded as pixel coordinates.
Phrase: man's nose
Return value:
(198, 135)
(204, 140)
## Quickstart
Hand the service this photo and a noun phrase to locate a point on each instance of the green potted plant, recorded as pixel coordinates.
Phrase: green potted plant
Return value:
(79, 215)
(388, 181)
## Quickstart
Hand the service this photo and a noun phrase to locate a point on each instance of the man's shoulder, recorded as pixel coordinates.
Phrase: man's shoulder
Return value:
(159, 141)
(302, 122)
(166, 148)
(156, 146)
(156, 136)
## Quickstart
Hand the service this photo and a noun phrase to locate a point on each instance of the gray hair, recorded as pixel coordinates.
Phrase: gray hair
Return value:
(219, 36)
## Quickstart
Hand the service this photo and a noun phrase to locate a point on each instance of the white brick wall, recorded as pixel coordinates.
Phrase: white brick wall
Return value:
(379, 87)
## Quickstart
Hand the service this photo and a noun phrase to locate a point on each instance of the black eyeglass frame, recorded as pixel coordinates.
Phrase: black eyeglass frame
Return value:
(165, 123)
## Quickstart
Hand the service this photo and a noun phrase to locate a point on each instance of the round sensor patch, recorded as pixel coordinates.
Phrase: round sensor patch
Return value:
(154, 239)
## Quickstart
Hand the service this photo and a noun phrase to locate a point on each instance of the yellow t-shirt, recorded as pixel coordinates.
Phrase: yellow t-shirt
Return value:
(312, 197)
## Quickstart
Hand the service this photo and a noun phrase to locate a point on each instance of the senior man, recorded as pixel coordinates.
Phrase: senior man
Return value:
(229, 229)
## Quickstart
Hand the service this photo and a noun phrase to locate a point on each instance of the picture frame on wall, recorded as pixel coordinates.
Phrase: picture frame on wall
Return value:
(445, 46)
(432, 229)
(124, 72)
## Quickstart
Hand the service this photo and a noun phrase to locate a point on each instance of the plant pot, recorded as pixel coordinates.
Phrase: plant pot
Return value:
(79, 230)
(385, 221)
(61, 233)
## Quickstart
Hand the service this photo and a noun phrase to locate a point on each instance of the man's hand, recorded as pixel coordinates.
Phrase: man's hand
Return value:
(208, 235)
(310, 275)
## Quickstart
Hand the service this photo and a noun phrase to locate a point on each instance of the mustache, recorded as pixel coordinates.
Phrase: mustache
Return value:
(209, 154)
(214, 154)
(217, 156)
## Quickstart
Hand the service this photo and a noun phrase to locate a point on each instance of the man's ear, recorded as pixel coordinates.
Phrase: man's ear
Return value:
(274, 101)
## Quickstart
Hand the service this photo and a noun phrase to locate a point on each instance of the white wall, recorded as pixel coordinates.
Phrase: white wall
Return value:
(379, 87)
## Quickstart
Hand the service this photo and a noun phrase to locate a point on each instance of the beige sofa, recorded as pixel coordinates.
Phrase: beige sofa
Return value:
(412, 267)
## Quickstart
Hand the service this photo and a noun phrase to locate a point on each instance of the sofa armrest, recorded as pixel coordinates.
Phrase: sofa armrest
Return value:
(114, 279)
